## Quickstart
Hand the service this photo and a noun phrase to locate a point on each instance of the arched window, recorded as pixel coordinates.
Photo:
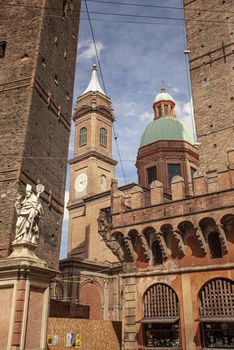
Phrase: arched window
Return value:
(217, 314)
(215, 245)
(157, 253)
(161, 317)
(83, 137)
(159, 111)
(103, 183)
(103, 137)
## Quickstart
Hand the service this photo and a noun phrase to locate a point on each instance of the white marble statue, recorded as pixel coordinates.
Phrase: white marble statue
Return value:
(28, 213)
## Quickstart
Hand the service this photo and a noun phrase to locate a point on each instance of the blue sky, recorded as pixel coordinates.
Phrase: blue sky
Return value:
(135, 59)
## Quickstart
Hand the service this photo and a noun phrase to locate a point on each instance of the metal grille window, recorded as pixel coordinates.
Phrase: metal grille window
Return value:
(160, 300)
(152, 174)
(173, 170)
(166, 109)
(157, 253)
(103, 137)
(215, 245)
(161, 318)
(217, 314)
(83, 137)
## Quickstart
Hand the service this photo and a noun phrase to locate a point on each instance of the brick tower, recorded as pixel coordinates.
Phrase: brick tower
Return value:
(92, 170)
(37, 68)
(211, 42)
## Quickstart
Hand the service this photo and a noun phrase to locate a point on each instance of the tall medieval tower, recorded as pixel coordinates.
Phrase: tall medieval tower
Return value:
(37, 66)
(92, 170)
(210, 34)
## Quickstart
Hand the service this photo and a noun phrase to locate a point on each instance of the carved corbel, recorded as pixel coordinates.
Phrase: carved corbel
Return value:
(104, 229)
(129, 248)
(94, 103)
(180, 242)
(201, 239)
(223, 239)
(115, 247)
(162, 243)
(145, 247)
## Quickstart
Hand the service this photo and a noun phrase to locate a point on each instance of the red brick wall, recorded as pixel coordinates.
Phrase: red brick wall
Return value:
(35, 113)
(211, 67)
(34, 320)
(6, 294)
(90, 295)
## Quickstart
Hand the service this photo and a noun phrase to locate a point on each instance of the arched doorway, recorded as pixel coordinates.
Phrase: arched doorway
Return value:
(90, 295)
(160, 325)
(217, 314)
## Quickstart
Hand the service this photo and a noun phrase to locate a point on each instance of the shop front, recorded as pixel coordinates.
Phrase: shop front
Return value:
(161, 322)
(217, 314)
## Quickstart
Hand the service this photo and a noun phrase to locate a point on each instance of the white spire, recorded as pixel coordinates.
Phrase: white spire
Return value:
(94, 83)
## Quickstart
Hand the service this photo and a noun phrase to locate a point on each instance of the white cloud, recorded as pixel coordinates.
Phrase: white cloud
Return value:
(145, 116)
(66, 198)
(126, 108)
(87, 50)
(184, 112)
(175, 89)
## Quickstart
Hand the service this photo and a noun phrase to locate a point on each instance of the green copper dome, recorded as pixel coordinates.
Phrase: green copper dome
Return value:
(165, 129)
(163, 96)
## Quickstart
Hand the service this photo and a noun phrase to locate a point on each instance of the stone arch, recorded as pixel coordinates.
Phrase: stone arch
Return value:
(91, 293)
(227, 222)
(215, 236)
(149, 233)
(133, 234)
(166, 229)
(58, 291)
(192, 238)
(125, 243)
(140, 245)
(207, 225)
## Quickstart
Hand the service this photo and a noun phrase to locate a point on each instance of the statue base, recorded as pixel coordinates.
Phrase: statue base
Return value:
(25, 284)
(26, 250)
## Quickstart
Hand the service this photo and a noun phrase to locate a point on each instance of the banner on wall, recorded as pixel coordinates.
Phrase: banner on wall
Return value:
(73, 340)
(69, 340)
(78, 341)
(52, 339)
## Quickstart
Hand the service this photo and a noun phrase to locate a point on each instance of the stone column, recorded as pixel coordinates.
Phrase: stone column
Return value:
(129, 315)
(188, 312)
(24, 295)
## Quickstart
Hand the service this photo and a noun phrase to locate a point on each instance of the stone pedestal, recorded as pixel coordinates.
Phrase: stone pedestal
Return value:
(24, 295)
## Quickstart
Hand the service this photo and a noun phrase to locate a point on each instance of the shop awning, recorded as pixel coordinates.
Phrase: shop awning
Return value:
(216, 319)
(159, 320)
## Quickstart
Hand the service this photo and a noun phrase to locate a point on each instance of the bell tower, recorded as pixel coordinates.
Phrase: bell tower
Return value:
(92, 170)
(167, 148)
(92, 167)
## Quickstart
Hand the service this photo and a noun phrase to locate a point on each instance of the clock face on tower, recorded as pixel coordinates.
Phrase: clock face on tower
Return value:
(81, 182)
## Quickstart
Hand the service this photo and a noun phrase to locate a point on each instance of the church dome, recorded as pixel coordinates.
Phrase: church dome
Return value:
(166, 129)
(163, 96)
